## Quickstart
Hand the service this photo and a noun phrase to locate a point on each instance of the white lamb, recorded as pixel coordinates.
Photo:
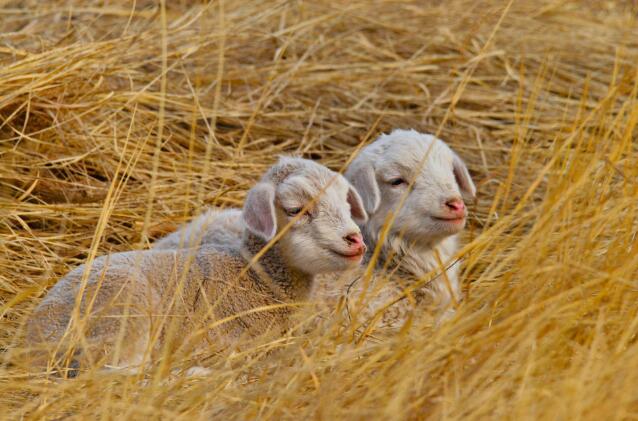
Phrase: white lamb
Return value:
(434, 182)
(188, 298)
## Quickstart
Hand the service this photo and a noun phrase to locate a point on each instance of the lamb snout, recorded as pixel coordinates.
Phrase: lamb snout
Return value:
(351, 248)
(356, 246)
(454, 208)
(451, 214)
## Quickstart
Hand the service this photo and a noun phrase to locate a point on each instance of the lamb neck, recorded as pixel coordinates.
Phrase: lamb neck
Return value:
(274, 270)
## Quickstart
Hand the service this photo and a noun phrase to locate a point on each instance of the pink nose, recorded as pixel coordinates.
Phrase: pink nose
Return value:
(455, 206)
(355, 241)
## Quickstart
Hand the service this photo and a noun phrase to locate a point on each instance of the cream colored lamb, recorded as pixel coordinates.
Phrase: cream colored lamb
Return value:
(134, 304)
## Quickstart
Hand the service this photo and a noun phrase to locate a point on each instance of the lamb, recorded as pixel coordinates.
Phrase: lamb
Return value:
(128, 306)
(435, 183)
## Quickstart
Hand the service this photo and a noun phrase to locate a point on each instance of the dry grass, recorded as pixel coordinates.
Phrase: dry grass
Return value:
(119, 122)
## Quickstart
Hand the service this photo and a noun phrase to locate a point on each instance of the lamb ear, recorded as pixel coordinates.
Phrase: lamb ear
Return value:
(463, 178)
(364, 180)
(259, 211)
(357, 211)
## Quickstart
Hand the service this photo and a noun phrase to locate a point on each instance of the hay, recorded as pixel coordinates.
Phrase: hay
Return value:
(119, 122)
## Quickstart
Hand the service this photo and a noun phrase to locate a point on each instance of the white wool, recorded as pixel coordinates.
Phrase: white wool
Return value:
(214, 226)
(139, 283)
(418, 233)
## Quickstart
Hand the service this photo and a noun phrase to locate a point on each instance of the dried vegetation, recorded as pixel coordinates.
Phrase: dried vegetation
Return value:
(119, 121)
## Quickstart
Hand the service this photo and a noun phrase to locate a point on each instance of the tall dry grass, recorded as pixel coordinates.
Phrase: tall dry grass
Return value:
(119, 121)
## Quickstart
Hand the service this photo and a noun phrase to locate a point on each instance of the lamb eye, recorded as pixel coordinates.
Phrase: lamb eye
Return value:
(397, 181)
(293, 211)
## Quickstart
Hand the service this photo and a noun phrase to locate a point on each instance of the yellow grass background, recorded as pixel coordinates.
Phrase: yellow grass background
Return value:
(120, 121)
